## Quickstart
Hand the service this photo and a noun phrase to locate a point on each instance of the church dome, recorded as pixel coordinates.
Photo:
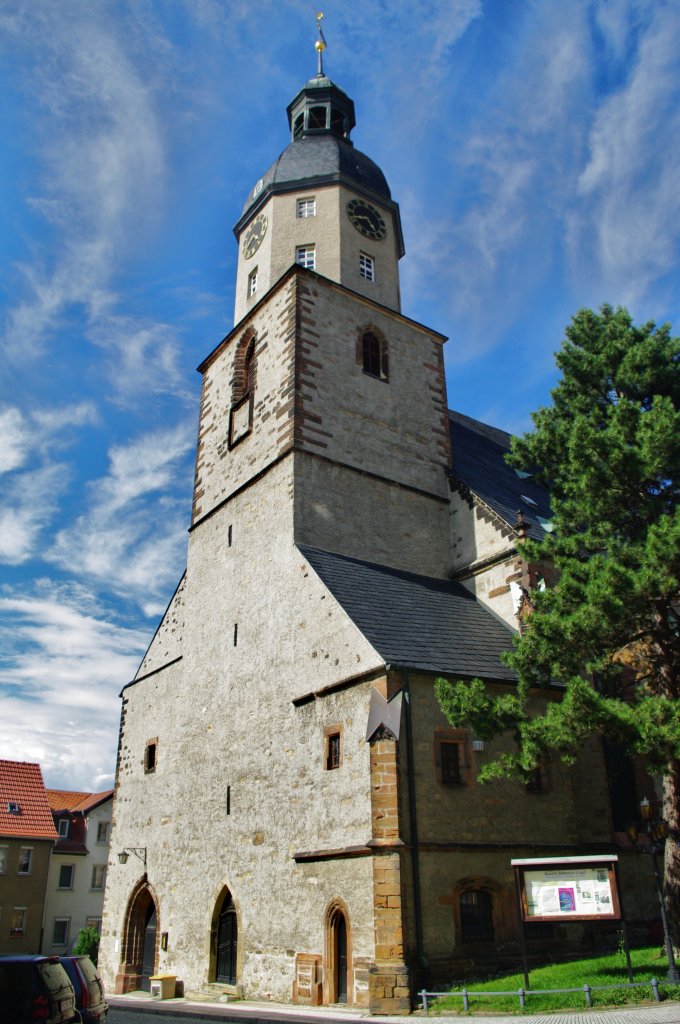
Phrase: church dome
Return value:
(315, 160)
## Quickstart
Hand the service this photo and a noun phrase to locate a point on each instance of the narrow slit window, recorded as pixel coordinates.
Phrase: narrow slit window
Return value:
(252, 283)
(150, 756)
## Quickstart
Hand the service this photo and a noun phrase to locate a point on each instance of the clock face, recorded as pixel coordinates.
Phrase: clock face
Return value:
(366, 219)
(254, 235)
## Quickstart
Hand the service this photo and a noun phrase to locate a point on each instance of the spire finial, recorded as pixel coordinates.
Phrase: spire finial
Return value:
(320, 44)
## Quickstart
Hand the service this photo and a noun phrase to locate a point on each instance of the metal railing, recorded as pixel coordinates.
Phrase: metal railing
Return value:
(523, 994)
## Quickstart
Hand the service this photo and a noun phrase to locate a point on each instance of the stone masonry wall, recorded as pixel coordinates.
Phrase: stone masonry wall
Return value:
(227, 730)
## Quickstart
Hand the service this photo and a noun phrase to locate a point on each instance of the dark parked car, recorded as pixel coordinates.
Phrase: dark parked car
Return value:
(35, 988)
(88, 988)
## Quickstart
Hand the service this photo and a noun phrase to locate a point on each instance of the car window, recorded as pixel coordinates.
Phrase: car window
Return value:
(15, 978)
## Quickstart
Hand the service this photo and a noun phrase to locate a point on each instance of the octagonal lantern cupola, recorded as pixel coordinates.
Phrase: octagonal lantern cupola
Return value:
(321, 108)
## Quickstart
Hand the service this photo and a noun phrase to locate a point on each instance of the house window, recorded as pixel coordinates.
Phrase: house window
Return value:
(25, 860)
(62, 827)
(98, 876)
(539, 780)
(452, 757)
(252, 283)
(66, 876)
(366, 266)
(373, 355)
(476, 916)
(306, 208)
(94, 922)
(150, 756)
(102, 831)
(13, 807)
(18, 921)
(3, 859)
(332, 747)
(305, 255)
(60, 931)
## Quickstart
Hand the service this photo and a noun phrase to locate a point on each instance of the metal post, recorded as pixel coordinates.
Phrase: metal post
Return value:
(655, 989)
(423, 996)
(673, 974)
(589, 998)
(522, 937)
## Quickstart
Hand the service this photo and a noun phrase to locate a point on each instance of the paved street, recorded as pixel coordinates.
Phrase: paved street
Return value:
(183, 1012)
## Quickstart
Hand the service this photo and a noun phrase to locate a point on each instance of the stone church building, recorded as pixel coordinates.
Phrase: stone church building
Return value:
(296, 818)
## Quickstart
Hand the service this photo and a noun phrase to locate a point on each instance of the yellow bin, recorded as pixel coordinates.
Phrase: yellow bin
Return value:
(163, 986)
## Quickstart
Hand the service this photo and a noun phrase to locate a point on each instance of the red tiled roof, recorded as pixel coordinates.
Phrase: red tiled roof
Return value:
(22, 784)
(67, 800)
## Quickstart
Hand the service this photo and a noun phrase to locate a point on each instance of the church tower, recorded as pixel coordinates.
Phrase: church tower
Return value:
(321, 204)
(303, 823)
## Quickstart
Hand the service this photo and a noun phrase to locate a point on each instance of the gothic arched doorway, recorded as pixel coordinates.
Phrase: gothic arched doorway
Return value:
(149, 948)
(338, 955)
(139, 952)
(224, 952)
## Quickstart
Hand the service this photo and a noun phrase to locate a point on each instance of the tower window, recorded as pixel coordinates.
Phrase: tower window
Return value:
(252, 283)
(306, 207)
(317, 118)
(150, 752)
(366, 266)
(298, 126)
(373, 355)
(249, 369)
(305, 255)
(337, 123)
(332, 747)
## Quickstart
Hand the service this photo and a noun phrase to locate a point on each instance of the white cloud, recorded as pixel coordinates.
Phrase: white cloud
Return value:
(28, 503)
(627, 225)
(132, 538)
(63, 668)
(15, 441)
(103, 161)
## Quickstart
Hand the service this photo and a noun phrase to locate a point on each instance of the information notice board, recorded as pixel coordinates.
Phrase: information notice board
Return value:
(568, 889)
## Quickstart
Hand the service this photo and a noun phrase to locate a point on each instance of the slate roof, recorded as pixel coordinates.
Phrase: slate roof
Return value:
(426, 624)
(22, 783)
(324, 157)
(478, 461)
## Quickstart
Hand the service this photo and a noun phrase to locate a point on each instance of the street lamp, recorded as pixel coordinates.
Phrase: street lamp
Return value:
(656, 829)
(139, 851)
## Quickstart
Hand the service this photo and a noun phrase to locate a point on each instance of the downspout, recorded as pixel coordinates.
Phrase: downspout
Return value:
(413, 820)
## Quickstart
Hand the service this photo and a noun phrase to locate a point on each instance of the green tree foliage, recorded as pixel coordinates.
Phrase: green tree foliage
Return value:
(608, 450)
(87, 944)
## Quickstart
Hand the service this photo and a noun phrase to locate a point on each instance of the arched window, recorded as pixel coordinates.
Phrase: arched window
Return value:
(249, 369)
(374, 355)
(476, 916)
(243, 389)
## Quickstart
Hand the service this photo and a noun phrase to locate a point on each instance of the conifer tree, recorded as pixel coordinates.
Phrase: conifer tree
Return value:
(608, 632)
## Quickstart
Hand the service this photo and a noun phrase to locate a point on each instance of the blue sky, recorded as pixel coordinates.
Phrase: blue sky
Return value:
(534, 148)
